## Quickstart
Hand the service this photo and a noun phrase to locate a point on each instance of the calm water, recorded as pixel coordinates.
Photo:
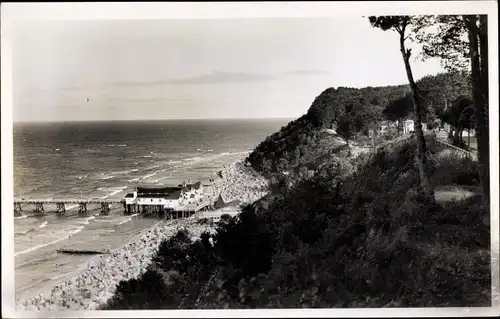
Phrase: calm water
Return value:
(105, 159)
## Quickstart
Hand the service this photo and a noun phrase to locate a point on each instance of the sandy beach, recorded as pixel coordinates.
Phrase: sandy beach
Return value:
(95, 281)
(241, 183)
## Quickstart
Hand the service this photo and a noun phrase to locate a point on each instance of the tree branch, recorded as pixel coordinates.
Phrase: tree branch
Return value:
(471, 23)
(405, 23)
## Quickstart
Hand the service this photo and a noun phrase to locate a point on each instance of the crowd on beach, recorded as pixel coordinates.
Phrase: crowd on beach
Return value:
(97, 283)
(242, 183)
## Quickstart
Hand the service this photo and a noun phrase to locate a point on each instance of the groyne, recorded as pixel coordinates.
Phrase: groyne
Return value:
(95, 251)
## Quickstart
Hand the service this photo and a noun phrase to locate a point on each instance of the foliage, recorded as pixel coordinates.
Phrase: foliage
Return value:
(303, 143)
(460, 116)
(444, 36)
(440, 90)
(402, 25)
(461, 41)
(461, 113)
(363, 240)
(399, 109)
(455, 169)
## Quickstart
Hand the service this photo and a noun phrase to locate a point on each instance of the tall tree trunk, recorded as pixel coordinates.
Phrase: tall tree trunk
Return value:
(456, 136)
(483, 53)
(423, 171)
(484, 143)
(479, 91)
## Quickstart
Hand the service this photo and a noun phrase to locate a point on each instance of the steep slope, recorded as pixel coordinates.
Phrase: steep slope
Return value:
(307, 141)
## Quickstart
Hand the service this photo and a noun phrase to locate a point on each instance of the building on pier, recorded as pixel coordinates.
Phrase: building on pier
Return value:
(166, 198)
(191, 194)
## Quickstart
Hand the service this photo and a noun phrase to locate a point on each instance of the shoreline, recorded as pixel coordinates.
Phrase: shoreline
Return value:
(95, 280)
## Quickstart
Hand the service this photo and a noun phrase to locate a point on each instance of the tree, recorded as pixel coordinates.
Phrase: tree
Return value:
(400, 25)
(440, 90)
(399, 109)
(462, 42)
(467, 120)
(460, 115)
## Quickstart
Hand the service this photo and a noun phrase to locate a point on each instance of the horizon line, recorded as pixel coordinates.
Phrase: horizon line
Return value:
(157, 120)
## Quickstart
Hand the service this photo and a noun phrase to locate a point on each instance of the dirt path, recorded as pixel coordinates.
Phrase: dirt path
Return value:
(448, 193)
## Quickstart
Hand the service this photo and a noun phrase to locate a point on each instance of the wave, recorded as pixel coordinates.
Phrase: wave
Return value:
(71, 206)
(192, 159)
(115, 192)
(108, 177)
(42, 225)
(152, 167)
(25, 232)
(150, 175)
(118, 145)
(133, 180)
(128, 171)
(22, 252)
(86, 221)
(146, 156)
(106, 220)
(21, 217)
(125, 221)
(57, 277)
(155, 172)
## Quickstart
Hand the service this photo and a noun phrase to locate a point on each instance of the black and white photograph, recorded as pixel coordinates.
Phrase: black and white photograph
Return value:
(340, 160)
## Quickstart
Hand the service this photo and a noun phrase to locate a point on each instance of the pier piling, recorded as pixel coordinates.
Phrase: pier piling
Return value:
(38, 209)
(60, 208)
(17, 208)
(82, 209)
(105, 209)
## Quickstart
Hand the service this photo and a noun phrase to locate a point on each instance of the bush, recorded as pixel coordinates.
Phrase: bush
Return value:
(203, 221)
(452, 168)
(333, 240)
(148, 292)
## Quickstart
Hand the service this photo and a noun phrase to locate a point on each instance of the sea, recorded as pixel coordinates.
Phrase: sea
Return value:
(87, 160)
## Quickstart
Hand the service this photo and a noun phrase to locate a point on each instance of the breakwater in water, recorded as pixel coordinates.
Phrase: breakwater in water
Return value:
(96, 251)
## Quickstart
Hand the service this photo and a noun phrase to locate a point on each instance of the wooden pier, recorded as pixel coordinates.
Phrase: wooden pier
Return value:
(38, 205)
(83, 207)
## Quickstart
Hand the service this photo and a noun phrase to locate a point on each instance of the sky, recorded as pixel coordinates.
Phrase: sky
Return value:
(196, 68)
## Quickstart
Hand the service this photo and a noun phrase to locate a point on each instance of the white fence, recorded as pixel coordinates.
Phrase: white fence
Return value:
(459, 150)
